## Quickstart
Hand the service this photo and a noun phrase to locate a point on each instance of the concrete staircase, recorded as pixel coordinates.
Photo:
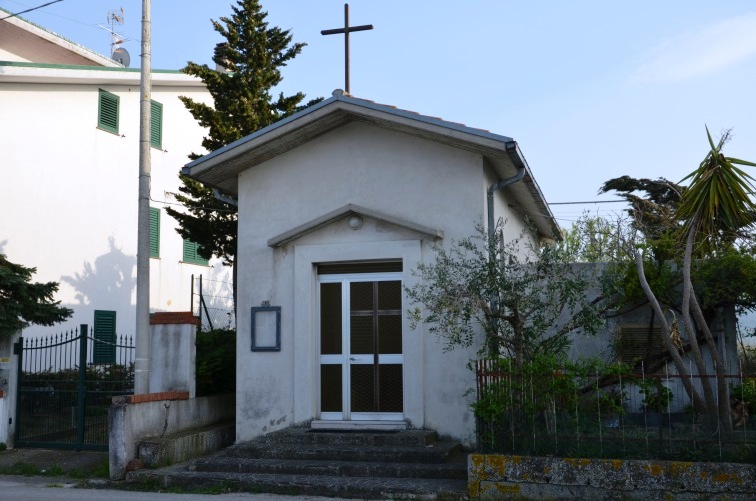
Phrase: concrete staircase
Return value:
(401, 464)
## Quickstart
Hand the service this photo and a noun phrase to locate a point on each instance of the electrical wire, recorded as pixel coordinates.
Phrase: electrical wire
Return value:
(184, 205)
(29, 10)
(589, 202)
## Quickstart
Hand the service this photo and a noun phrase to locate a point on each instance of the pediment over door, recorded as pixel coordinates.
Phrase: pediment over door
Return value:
(339, 223)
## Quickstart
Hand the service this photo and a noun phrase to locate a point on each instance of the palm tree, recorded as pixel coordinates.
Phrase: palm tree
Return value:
(714, 210)
(715, 207)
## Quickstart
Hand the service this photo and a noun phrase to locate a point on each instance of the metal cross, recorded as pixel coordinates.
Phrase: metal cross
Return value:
(346, 30)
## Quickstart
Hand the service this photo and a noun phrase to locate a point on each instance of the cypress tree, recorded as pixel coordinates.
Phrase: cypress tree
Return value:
(23, 302)
(252, 58)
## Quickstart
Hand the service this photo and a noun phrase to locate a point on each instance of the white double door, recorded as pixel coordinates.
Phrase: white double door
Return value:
(361, 359)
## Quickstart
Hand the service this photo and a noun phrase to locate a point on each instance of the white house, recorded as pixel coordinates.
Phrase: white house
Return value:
(69, 134)
(338, 204)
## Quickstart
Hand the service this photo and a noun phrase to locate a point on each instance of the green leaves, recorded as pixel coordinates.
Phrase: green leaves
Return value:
(541, 299)
(253, 55)
(717, 205)
(23, 302)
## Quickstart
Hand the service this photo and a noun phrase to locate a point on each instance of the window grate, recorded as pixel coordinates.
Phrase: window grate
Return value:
(360, 267)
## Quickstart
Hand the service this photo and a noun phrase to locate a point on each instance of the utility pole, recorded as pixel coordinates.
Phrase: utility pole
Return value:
(142, 362)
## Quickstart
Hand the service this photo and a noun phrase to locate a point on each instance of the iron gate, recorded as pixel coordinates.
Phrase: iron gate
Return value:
(65, 387)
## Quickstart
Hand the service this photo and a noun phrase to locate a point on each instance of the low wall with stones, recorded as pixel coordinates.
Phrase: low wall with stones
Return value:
(494, 476)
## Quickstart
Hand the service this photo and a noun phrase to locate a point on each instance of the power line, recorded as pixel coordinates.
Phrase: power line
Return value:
(29, 10)
(589, 202)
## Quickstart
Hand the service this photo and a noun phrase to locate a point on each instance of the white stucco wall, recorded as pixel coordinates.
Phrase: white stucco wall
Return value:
(417, 180)
(70, 203)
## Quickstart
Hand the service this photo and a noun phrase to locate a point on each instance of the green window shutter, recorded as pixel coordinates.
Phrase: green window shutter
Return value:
(154, 232)
(107, 112)
(104, 334)
(156, 125)
(191, 255)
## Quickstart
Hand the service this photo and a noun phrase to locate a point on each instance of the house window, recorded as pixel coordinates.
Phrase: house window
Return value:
(154, 232)
(156, 125)
(107, 112)
(638, 343)
(191, 255)
(104, 334)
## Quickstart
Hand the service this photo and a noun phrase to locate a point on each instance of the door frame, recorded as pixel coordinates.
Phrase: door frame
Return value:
(347, 359)
(306, 356)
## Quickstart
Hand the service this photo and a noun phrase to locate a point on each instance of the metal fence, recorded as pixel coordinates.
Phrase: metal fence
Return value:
(64, 392)
(608, 415)
(210, 302)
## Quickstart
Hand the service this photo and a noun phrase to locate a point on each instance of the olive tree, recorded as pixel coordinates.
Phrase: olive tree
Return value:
(513, 298)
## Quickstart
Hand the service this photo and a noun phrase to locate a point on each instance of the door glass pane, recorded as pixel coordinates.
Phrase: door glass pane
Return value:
(361, 338)
(390, 334)
(363, 388)
(330, 388)
(330, 319)
(361, 296)
(390, 295)
(391, 389)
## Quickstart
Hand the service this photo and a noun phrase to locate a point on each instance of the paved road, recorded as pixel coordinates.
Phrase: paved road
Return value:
(49, 489)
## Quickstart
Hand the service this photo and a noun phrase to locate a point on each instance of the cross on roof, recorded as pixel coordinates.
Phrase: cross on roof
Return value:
(346, 30)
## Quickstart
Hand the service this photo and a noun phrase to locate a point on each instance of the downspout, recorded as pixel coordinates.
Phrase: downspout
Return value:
(516, 156)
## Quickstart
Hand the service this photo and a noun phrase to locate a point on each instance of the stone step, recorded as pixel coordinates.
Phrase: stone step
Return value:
(438, 452)
(401, 438)
(454, 470)
(316, 485)
(156, 452)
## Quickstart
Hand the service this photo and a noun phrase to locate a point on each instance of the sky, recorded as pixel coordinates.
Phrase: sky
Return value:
(590, 89)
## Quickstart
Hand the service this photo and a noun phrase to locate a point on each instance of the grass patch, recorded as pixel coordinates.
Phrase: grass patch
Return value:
(101, 471)
(29, 470)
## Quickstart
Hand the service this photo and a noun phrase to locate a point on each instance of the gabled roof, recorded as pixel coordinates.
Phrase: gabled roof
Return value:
(29, 42)
(221, 168)
(350, 210)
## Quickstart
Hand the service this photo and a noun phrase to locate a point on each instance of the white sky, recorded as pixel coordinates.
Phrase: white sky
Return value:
(590, 89)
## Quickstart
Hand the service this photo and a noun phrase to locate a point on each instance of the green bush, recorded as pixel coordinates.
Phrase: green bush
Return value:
(216, 362)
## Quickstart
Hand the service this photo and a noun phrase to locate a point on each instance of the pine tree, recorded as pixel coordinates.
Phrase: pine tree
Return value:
(252, 56)
(23, 302)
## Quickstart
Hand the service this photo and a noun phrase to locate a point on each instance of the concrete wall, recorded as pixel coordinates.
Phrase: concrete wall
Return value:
(3, 418)
(8, 388)
(173, 356)
(492, 476)
(82, 183)
(414, 179)
(601, 345)
(129, 422)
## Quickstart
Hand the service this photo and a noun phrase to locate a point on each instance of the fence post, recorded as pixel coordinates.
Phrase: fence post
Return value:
(83, 334)
(18, 349)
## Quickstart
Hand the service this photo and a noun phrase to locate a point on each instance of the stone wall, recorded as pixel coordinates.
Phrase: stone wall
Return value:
(493, 476)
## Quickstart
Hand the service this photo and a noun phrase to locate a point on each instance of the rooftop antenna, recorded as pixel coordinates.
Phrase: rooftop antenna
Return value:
(117, 53)
(115, 18)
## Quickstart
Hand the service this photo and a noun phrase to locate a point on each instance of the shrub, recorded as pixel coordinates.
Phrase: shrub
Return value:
(216, 362)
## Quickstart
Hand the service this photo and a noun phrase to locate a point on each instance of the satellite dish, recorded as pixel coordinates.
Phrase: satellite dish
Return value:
(121, 55)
